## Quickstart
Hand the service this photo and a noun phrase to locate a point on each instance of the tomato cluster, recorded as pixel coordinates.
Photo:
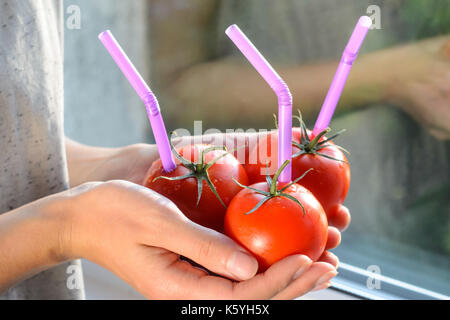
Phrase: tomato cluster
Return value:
(248, 204)
(329, 180)
(202, 184)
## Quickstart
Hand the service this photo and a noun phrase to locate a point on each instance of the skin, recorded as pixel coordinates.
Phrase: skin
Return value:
(406, 76)
(139, 235)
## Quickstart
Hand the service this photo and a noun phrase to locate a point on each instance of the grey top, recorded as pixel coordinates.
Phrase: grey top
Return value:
(32, 157)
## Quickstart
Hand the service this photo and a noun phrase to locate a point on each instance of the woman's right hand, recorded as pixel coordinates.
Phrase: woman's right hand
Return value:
(139, 235)
(421, 83)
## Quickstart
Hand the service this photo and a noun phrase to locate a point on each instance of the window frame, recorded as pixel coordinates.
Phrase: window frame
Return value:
(352, 280)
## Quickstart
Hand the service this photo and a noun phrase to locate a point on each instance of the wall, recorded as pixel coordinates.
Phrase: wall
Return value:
(101, 108)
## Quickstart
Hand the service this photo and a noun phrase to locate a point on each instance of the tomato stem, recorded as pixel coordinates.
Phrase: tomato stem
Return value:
(199, 171)
(274, 192)
(308, 146)
(273, 185)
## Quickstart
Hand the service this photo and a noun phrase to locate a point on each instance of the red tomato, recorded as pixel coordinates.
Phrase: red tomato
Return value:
(329, 180)
(209, 211)
(279, 227)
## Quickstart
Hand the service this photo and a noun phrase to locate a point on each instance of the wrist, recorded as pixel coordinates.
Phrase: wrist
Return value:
(369, 79)
(31, 240)
(130, 163)
(86, 163)
(404, 65)
(57, 214)
(380, 76)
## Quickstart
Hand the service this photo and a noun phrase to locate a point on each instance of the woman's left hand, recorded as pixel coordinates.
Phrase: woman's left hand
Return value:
(131, 163)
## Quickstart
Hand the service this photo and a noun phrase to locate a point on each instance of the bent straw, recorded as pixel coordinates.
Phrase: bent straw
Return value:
(146, 95)
(281, 90)
(348, 57)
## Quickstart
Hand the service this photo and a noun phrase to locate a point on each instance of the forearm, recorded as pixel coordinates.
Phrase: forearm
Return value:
(86, 163)
(222, 85)
(31, 240)
(237, 87)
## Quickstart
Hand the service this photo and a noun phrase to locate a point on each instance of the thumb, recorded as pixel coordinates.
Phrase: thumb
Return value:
(212, 250)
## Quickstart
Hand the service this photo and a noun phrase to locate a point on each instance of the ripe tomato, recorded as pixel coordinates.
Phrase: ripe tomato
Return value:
(329, 180)
(271, 223)
(199, 186)
(264, 152)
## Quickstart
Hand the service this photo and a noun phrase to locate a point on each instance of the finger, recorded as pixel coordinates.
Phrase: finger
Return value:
(214, 251)
(334, 238)
(172, 278)
(330, 258)
(166, 227)
(275, 279)
(440, 134)
(160, 274)
(209, 248)
(339, 217)
(317, 275)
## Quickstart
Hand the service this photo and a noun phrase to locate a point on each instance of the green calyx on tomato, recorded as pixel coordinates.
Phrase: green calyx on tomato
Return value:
(199, 171)
(313, 146)
(273, 190)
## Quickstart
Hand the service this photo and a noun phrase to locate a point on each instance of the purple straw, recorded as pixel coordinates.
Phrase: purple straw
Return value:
(282, 91)
(144, 92)
(335, 91)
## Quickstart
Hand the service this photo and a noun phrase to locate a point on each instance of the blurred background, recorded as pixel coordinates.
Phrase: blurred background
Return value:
(395, 107)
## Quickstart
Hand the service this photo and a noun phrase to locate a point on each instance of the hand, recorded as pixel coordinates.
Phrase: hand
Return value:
(131, 163)
(139, 235)
(425, 92)
(341, 220)
(86, 163)
(139, 157)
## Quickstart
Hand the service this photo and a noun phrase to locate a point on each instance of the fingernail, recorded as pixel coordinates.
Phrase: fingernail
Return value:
(325, 278)
(306, 265)
(242, 266)
(326, 285)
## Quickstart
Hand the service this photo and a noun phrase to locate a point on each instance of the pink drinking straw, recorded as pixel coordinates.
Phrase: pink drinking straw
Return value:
(282, 91)
(342, 72)
(147, 96)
